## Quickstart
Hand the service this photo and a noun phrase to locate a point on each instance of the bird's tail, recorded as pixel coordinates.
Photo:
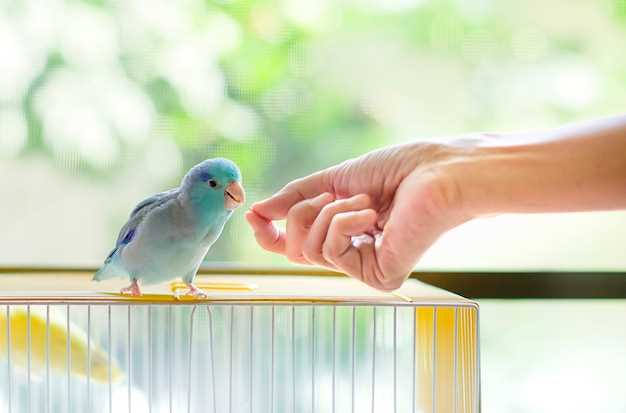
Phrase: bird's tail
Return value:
(110, 268)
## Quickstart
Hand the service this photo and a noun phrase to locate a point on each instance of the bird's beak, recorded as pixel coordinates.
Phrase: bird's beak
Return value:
(234, 196)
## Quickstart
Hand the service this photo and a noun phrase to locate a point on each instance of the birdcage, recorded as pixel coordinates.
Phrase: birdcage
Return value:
(259, 344)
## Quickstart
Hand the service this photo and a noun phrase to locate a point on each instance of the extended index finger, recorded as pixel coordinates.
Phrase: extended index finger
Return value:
(266, 233)
(278, 205)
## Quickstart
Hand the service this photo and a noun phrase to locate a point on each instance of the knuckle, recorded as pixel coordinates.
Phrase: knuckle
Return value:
(363, 199)
(335, 222)
(390, 283)
(300, 211)
(295, 258)
(307, 256)
(308, 251)
(314, 258)
(329, 253)
(337, 225)
(329, 210)
(385, 288)
(292, 186)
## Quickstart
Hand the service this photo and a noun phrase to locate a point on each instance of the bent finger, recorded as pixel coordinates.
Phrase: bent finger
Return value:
(312, 248)
(299, 220)
(345, 239)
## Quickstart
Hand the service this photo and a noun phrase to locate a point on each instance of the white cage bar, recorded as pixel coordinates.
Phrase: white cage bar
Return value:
(262, 352)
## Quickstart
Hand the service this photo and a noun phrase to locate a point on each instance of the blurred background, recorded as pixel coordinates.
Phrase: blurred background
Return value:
(103, 103)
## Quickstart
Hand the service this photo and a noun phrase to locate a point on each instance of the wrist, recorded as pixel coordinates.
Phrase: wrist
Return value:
(493, 176)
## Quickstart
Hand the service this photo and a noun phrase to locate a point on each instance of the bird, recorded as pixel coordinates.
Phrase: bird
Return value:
(168, 234)
(50, 341)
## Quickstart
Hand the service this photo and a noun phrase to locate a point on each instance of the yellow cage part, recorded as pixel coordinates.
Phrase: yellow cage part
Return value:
(259, 343)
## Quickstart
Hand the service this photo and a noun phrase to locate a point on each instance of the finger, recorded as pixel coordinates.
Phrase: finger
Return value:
(278, 205)
(346, 239)
(267, 235)
(312, 249)
(299, 220)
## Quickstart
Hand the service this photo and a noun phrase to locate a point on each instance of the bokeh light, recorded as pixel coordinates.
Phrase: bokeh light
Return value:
(103, 103)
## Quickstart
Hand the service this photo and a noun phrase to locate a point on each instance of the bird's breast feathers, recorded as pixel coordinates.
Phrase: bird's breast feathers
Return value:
(170, 241)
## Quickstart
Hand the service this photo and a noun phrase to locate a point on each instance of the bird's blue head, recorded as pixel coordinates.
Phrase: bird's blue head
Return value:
(214, 183)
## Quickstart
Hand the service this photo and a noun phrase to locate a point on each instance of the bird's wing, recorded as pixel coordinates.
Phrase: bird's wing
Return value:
(110, 268)
(140, 212)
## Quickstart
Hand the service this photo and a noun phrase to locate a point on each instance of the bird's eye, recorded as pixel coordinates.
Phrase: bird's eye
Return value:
(212, 183)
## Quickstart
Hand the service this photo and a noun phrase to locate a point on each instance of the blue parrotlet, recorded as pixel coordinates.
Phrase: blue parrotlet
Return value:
(168, 234)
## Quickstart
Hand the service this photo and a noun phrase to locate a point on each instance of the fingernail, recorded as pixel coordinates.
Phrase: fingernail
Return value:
(253, 216)
(254, 209)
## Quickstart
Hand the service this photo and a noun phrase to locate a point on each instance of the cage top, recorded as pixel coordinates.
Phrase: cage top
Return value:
(73, 287)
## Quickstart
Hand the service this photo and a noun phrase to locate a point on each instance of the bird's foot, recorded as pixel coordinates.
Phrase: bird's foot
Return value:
(193, 291)
(132, 289)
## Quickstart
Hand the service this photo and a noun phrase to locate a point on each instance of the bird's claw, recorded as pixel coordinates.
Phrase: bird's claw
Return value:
(193, 292)
(132, 289)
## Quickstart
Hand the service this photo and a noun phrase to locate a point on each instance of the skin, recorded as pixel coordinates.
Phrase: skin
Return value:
(374, 216)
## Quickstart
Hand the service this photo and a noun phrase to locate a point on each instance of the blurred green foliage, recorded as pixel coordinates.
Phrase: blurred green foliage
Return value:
(105, 89)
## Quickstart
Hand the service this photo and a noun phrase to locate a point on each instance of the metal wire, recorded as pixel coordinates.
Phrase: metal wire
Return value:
(170, 329)
(150, 361)
(129, 350)
(463, 360)
(272, 370)
(353, 354)
(109, 367)
(189, 360)
(312, 358)
(293, 358)
(334, 356)
(434, 362)
(69, 360)
(395, 360)
(28, 355)
(455, 388)
(9, 359)
(251, 389)
(88, 358)
(212, 359)
(374, 360)
(415, 350)
(313, 339)
(230, 356)
(47, 358)
(477, 399)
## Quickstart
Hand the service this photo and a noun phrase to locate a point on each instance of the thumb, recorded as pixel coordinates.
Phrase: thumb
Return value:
(277, 206)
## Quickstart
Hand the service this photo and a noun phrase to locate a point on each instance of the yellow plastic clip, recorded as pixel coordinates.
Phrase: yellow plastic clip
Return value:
(176, 286)
(402, 297)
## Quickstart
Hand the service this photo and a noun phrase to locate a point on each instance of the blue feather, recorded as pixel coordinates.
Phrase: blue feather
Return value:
(129, 236)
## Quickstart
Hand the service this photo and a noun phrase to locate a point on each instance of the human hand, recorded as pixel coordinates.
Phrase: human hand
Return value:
(374, 216)
(371, 217)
